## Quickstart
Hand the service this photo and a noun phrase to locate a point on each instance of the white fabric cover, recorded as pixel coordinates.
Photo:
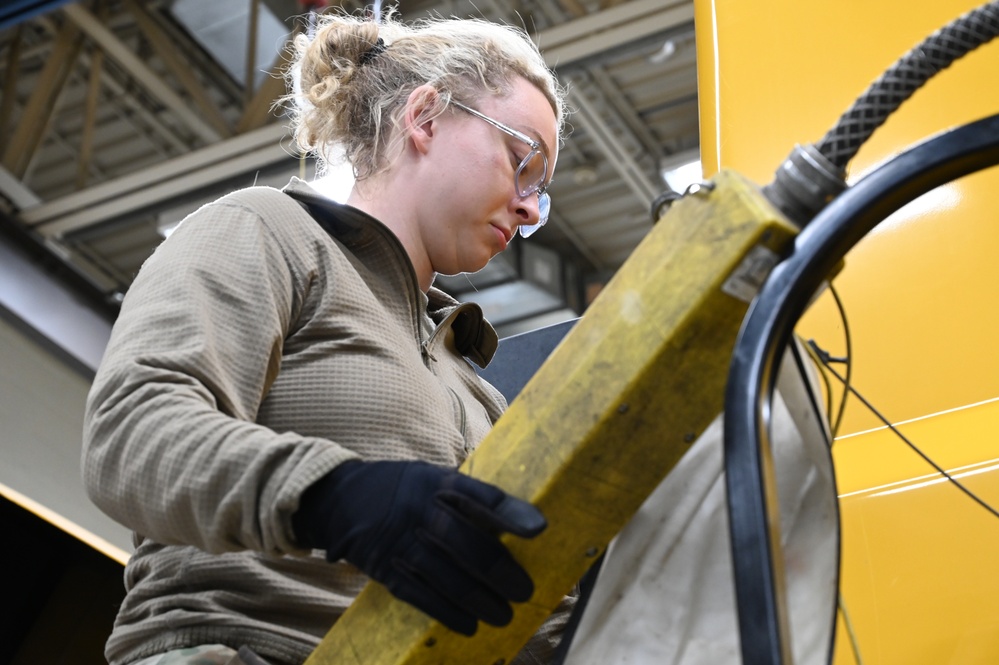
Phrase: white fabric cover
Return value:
(665, 594)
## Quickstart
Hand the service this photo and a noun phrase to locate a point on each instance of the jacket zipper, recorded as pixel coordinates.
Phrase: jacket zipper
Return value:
(461, 412)
(401, 255)
(443, 325)
(414, 292)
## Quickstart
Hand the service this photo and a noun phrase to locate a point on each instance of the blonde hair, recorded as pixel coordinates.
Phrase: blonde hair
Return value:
(351, 89)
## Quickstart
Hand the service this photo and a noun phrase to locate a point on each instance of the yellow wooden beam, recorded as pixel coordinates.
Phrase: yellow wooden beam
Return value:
(168, 52)
(609, 414)
(89, 119)
(251, 50)
(574, 7)
(90, 110)
(38, 111)
(10, 82)
(257, 112)
(143, 75)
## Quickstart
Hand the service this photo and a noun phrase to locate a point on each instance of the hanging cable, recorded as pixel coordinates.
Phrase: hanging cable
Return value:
(823, 373)
(854, 645)
(939, 469)
(824, 358)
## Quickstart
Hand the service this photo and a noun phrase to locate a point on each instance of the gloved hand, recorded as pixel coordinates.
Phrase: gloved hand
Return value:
(428, 533)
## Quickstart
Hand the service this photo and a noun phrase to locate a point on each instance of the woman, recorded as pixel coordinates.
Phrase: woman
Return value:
(285, 397)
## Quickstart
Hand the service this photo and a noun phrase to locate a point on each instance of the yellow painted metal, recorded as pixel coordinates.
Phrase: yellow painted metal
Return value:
(921, 292)
(919, 578)
(602, 422)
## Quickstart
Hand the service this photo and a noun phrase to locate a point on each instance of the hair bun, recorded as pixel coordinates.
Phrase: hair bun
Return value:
(372, 53)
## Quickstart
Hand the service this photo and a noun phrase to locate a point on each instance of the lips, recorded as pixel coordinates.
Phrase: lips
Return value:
(505, 234)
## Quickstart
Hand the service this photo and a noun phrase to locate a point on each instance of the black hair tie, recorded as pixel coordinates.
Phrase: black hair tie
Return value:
(372, 53)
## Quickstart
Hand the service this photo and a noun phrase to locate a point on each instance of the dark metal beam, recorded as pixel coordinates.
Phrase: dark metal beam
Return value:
(13, 12)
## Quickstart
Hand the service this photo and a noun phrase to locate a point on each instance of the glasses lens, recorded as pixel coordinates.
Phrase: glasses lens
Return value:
(544, 207)
(532, 172)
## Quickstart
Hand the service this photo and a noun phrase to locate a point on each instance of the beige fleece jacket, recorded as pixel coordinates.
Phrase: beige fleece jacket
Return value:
(255, 351)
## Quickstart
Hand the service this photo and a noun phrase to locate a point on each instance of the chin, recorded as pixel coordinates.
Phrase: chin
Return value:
(474, 268)
(479, 263)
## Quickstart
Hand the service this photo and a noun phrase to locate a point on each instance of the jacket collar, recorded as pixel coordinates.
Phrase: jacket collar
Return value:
(344, 222)
(474, 337)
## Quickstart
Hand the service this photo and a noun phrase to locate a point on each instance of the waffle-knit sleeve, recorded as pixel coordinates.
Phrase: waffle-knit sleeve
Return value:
(170, 446)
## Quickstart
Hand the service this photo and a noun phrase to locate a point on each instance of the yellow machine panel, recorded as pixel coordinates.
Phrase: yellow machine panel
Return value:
(921, 293)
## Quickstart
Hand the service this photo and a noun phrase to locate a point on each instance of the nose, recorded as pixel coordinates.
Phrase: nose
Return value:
(528, 209)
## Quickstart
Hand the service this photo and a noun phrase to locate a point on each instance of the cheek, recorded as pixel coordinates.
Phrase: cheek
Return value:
(478, 192)
(476, 186)
(487, 170)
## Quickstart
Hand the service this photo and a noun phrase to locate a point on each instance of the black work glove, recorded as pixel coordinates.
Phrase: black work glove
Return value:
(428, 533)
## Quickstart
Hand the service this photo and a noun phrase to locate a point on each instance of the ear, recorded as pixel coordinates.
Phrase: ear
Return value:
(420, 116)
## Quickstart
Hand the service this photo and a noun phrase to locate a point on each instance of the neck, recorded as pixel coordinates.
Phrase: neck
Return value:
(391, 207)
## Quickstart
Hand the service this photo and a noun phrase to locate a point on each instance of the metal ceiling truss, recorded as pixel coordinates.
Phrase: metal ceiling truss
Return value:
(616, 144)
(140, 71)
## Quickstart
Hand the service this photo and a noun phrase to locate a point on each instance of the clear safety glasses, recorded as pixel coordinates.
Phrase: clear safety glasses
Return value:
(531, 173)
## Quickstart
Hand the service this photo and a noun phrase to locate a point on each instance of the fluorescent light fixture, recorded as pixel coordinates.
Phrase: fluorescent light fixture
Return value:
(681, 170)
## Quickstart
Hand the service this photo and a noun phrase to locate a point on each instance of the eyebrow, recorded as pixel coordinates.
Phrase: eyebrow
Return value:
(541, 140)
(535, 135)
(509, 126)
(548, 156)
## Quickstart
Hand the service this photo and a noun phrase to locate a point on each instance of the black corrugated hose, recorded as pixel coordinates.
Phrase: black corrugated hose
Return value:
(813, 175)
(907, 75)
